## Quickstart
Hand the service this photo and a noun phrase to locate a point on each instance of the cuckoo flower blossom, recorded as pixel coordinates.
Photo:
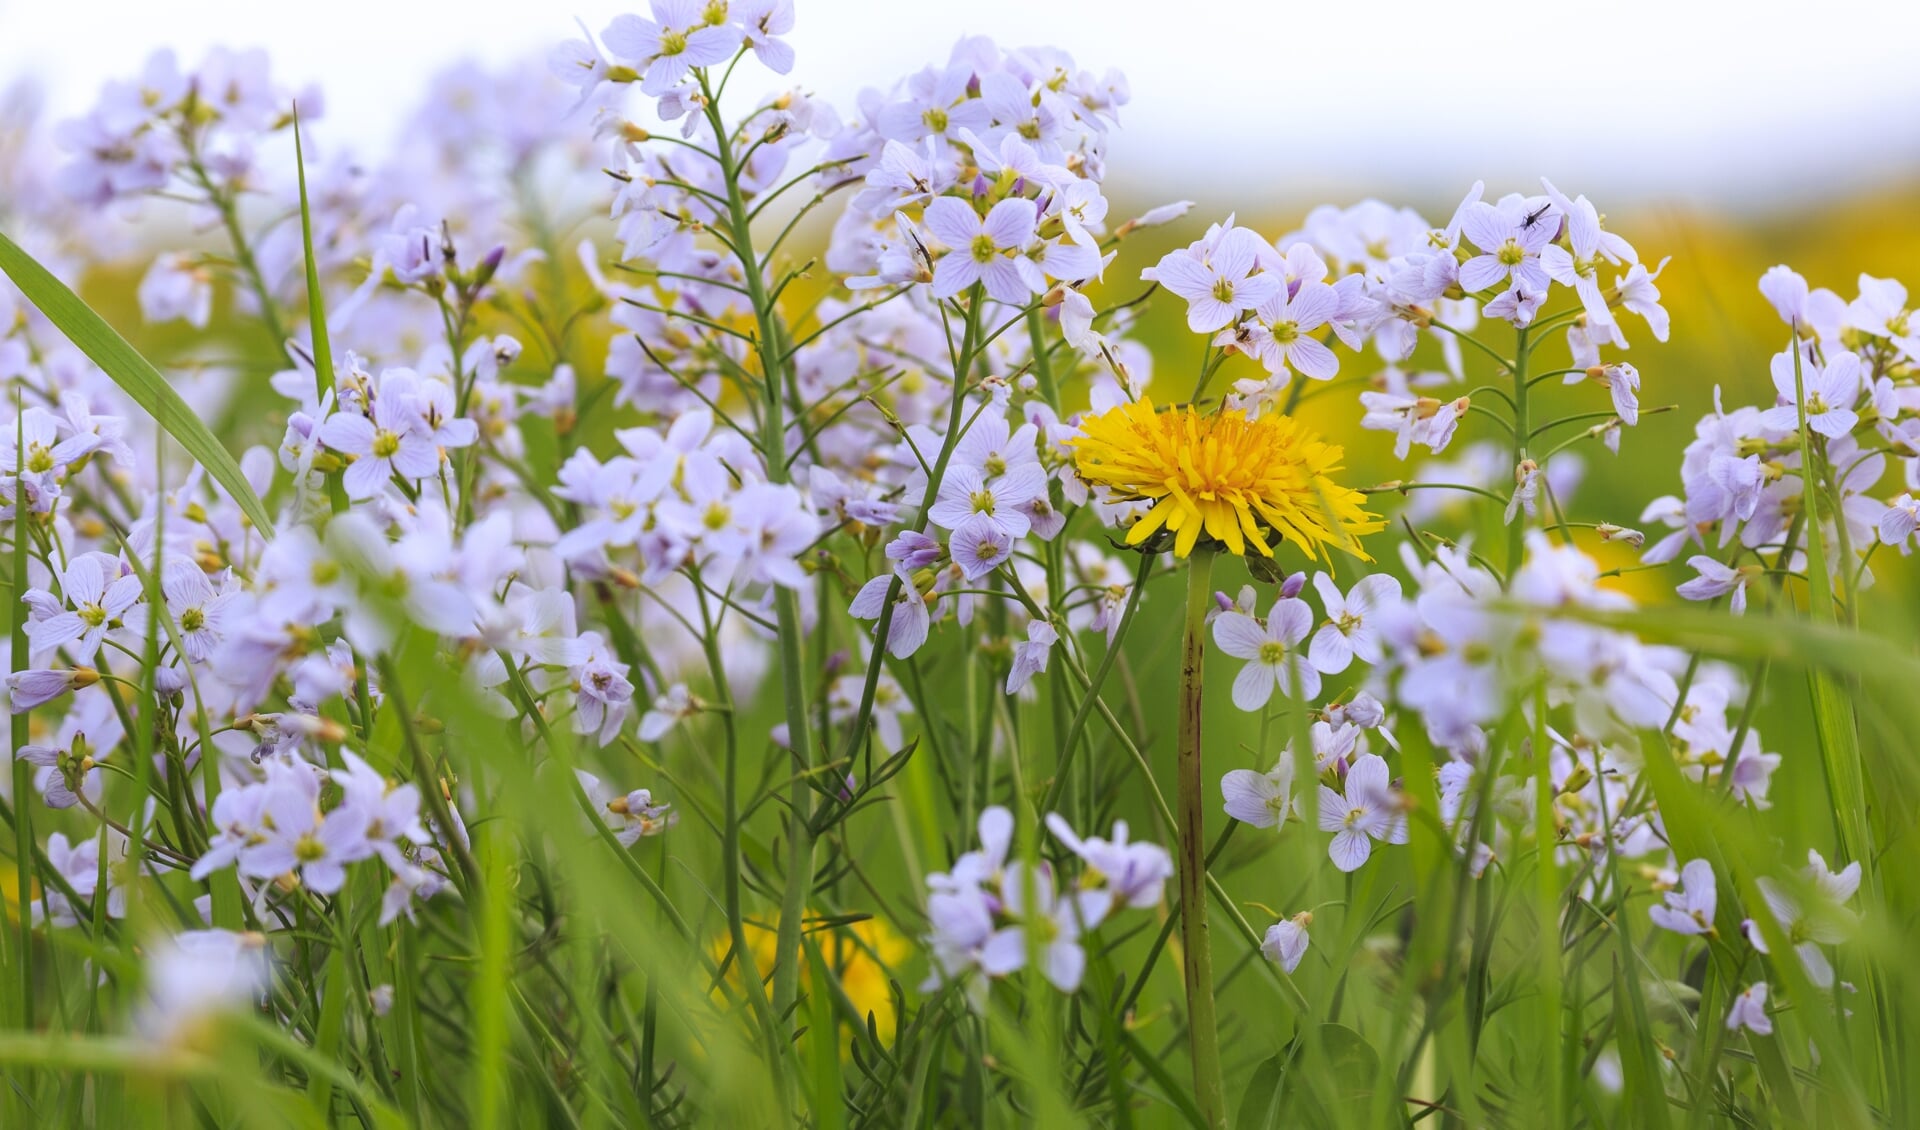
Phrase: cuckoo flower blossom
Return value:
(1271, 652)
(1370, 810)
(1216, 283)
(1689, 910)
(1829, 394)
(983, 249)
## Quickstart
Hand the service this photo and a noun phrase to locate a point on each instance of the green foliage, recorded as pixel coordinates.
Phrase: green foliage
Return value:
(133, 373)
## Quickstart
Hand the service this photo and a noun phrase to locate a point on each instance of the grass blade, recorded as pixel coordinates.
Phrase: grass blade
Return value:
(133, 373)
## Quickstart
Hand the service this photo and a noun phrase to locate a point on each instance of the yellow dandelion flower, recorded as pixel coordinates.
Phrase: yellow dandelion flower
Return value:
(865, 957)
(1233, 478)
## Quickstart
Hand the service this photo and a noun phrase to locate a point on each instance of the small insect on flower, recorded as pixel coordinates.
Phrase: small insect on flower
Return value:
(1235, 478)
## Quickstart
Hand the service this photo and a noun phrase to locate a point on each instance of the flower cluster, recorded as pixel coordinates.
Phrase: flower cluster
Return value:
(990, 915)
(1845, 380)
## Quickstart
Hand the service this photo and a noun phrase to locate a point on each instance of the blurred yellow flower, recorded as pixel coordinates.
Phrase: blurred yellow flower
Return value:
(862, 955)
(1223, 474)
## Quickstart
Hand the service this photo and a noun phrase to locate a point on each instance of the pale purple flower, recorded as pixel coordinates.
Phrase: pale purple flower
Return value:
(1264, 800)
(1716, 580)
(968, 493)
(28, 689)
(914, 550)
(1623, 384)
(292, 836)
(1351, 628)
(1369, 810)
(1509, 246)
(1217, 284)
(605, 697)
(666, 48)
(1269, 652)
(1825, 921)
(1030, 658)
(1749, 1011)
(1517, 304)
(177, 287)
(1831, 393)
(1413, 419)
(764, 22)
(1881, 310)
(1639, 295)
(1689, 908)
(1896, 526)
(1060, 920)
(383, 445)
(979, 546)
(887, 711)
(981, 250)
(392, 811)
(1164, 214)
(79, 865)
(1580, 267)
(98, 603)
(911, 619)
(629, 816)
(579, 63)
(193, 974)
(1286, 941)
(1283, 333)
(669, 709)
(1076, 324)
(1136, 873)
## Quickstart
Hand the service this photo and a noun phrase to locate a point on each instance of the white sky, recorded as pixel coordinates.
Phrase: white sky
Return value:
(1236, 102)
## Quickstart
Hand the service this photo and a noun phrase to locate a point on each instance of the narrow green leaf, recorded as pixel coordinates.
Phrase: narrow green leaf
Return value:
(316, 303)
(316, 307)
(1639, 1060)
(333, 1015)
(823, 1038)
(133, 373)
(1260, 1105)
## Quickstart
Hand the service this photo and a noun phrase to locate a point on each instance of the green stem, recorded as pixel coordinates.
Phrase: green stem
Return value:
(23, 841)
(751, 974)
(1203, 1037)
(1517, 529)
(769, 343)
(1070, 740)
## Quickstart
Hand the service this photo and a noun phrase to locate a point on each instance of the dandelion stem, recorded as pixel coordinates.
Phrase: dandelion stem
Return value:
(1203, 1037)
